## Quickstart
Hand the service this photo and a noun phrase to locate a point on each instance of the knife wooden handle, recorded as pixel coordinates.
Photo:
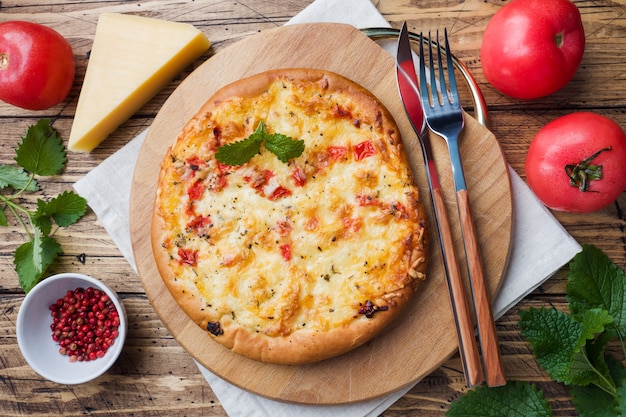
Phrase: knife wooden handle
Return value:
(484, 314)
(468, 348)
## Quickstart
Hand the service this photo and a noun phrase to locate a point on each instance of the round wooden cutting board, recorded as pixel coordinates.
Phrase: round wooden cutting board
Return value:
(425, 337)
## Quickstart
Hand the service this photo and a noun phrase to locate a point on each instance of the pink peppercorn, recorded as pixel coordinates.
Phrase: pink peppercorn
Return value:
(84, 323)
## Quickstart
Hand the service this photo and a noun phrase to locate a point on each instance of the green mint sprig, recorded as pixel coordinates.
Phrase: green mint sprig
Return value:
(571, 347)
(41, 153)
(240, 152)
(515, 399)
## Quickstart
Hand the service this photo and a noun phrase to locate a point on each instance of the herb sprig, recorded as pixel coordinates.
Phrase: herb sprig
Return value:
(40, 153)
(240, 152)
(570, 346)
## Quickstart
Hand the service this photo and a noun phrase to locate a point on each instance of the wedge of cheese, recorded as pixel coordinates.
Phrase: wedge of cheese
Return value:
(131, 60)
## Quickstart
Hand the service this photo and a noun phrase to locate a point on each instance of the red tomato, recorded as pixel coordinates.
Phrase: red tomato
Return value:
(576, 162)
(36, 65)
(364, 150)
(532, 48)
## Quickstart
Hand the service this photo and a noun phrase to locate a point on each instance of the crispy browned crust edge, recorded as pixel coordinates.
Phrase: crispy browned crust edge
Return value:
(301, 347)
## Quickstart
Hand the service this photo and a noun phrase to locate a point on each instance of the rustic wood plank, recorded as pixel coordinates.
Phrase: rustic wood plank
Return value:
(154, 376)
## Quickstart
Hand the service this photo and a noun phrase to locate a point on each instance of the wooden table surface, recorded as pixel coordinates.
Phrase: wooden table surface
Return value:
(154, 375)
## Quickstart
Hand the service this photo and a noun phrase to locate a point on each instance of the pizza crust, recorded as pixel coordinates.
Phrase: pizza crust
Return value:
(277, 340)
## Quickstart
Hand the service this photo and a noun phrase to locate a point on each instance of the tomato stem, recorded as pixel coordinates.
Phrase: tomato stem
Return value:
(558, 39)
(4, 60)
(581, 174)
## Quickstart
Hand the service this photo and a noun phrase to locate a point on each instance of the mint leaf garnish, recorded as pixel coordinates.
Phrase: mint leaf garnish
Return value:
(41, 151)
(516, 399)
(240, 152)
(284, 147)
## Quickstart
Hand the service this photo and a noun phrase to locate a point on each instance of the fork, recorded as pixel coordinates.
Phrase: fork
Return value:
(444, 116)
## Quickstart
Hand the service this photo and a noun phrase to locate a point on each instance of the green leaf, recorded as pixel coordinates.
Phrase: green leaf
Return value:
(41, 150)
(554, 337)
(618, 373)
(596, 282)
(42, 222)
(16, 178)
(33, 258)
(589, 365)
(238, 153)
(515, 399)
(591, 401)
(620, 408)
(284, 147)
(558, 340)
(616, 369)
(66, 208)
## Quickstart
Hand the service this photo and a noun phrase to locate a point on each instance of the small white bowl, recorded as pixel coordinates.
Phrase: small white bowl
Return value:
(34, 336)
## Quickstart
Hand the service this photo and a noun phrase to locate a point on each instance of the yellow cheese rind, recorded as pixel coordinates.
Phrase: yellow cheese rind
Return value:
(132, 59)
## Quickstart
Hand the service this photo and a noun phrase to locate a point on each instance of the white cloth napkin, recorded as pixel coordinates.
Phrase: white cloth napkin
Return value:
(541, 245)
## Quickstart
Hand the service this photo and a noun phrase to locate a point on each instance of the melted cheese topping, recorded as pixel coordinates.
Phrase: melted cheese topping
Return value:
(285, 246)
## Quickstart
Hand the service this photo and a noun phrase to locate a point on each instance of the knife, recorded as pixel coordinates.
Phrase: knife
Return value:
(409, 93)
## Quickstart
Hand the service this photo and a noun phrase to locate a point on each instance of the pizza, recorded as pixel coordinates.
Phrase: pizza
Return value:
(290, 259)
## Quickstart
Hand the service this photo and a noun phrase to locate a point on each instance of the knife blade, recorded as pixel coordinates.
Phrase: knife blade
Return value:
(409, 93)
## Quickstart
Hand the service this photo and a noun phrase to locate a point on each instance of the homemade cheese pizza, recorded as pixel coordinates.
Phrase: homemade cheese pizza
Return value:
(287, 223)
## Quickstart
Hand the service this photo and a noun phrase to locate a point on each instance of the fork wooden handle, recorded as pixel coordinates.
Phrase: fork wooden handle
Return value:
(482, 304)
(468, 348)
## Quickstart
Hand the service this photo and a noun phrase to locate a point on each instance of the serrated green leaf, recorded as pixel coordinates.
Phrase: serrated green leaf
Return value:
(593, 322)
(260, 133)
(515, 399)
(41, 150)
(594, 281)
(27, 272)
(616, 370)
(16, 178)
(41, 220)
(618, 373)
(554, 337)
(238, 153)
(558, 340)
(620, 407)
(284, 147)
(591, 401)
(33, 258)
(66, 208)
(589, 365)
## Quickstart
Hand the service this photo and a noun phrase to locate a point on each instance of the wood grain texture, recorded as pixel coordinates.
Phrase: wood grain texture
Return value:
(479, 280)
(155, 376)
(459, 300)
